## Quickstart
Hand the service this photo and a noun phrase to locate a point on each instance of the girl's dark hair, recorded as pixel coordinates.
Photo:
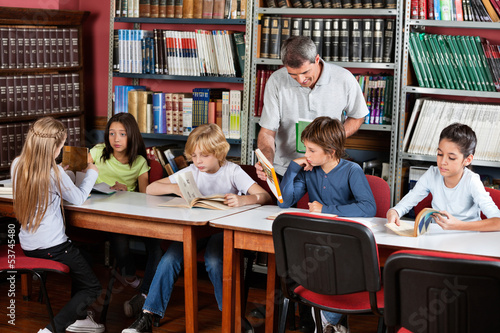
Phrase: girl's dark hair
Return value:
(462, 135)
(328, 133)
(135, 143)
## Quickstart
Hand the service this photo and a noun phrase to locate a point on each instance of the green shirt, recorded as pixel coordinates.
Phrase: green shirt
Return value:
(113, 171)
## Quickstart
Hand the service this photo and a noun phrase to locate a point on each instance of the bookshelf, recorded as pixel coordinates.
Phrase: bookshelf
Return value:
(411, 90)
(373, 136)
(41, 74)
(171, 83)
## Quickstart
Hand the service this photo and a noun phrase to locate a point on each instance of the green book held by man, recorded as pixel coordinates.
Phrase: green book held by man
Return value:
(299, 127)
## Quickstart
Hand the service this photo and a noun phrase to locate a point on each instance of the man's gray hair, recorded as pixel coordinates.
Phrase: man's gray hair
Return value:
(296, 50)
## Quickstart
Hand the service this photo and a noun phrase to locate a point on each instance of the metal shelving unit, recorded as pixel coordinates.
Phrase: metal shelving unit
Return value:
(137, 22)
(394, 67)
(410, 89)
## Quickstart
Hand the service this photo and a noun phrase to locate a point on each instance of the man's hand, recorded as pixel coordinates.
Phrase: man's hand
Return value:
(260, 171)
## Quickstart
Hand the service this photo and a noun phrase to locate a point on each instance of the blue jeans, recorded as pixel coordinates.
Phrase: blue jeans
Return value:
(170, 266)
(332, 317)
(85, 287)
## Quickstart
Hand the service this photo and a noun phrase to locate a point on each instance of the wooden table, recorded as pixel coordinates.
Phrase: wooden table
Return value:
(251, 230)
(138, 214)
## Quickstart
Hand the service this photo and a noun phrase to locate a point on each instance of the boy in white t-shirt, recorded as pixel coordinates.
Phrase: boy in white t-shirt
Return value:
(207, 148)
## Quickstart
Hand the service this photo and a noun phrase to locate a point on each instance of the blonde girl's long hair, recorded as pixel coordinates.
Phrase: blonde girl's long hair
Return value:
(32, 173)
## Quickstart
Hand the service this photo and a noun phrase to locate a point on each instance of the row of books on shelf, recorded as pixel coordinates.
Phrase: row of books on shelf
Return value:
(165, 155)
(13, 135)
(38, 47)
(456, 10)
(46, 94)
(455, 62)
(179, 113)
(355, 40)
(188, 9)
(367, 4)
(377, 91)
(193, 53)
(430, 116)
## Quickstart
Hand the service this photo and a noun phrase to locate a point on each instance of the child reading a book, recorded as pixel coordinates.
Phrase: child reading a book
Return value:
(207, 148)
(39, 188)
(335, 185)
(122, 163)
(457, 192)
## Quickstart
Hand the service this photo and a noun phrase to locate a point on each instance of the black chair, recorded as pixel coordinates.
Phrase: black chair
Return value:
(431, 292)
(327, 263)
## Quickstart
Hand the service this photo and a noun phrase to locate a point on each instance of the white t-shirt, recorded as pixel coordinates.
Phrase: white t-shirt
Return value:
(230, 178)
(465, 201)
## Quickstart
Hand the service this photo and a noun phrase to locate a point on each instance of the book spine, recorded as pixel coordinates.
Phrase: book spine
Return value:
(317, 34)
(159, 114)
(306, 27)
(388, 40)
(286, 29)
(296, 26)
(3, 97)
(378, 40)
(327, 40)
(344, 40)
(356, 47)
(335, 40)
(367, 40)
(274, 38)
(30, 95)
(265, 36)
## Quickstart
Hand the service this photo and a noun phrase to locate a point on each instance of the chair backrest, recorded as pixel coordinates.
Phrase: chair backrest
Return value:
(495, 195)
(155, 171)
(329, 256)
(250, 170)
(427, 291)
(382, 194)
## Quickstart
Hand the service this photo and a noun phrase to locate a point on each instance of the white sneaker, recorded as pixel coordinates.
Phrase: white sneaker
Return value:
(44, 330)
(87, 325)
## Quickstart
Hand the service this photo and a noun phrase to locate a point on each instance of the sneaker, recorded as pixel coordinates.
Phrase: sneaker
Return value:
(87, 325)
(133, 307)
(44, 330)
(335, 328)
(143, 324)
(134, 282)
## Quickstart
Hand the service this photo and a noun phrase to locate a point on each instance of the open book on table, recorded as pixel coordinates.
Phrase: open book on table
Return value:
(422, 221)
(99, 187)
(192, 196)
(272, 179)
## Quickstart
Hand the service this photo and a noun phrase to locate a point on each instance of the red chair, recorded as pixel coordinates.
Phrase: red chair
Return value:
(428, 291)
(329, 264)
(382, 194)
(13, 261)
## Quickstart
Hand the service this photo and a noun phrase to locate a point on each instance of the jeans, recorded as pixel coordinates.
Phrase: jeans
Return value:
(331, 317)
(85, 287)
(120, 248)
(170, 266)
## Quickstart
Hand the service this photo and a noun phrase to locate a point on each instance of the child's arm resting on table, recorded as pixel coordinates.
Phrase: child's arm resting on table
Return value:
(256, 195)
(163, 186)
(448, 222)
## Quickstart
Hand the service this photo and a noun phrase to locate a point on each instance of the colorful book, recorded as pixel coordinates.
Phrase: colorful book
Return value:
(272, 179)
(420, 227)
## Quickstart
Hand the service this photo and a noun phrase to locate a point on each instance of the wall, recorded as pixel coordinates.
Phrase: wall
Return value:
(95, 49)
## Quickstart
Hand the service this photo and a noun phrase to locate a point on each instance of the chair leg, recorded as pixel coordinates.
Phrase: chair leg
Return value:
(381, 325)
(284, 311)
(109, 291)
(46, 297)
(317, 318)
(291, 317)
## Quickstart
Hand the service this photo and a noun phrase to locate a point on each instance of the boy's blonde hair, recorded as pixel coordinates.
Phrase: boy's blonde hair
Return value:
(210, 139)
(32, 173)
(328, 133)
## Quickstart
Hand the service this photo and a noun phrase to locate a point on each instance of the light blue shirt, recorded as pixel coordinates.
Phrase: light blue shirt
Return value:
(465, 201)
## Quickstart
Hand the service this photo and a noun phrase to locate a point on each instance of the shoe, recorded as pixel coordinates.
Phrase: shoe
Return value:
(133, 307)
(44, 330)
(135, 282)
(87, 325)
(143, 324)
(335, 328)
